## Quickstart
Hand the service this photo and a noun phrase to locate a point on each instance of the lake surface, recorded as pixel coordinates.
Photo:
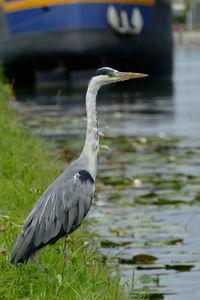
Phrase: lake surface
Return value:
(147, 206)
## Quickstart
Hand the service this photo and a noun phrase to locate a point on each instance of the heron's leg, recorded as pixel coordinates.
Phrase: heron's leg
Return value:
(65, 249)
(65, 244)
(33, 257)
(66, 253)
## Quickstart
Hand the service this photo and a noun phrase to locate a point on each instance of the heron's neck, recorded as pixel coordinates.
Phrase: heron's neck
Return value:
(90, 151)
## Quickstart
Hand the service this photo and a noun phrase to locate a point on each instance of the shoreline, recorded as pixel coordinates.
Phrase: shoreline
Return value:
(187, 38)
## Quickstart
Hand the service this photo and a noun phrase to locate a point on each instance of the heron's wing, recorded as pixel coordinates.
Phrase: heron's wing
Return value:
(59, 211)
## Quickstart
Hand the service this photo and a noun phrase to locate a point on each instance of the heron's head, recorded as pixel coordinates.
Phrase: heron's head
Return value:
(107, 75)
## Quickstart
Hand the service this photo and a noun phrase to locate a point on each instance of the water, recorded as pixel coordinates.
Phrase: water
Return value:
(147, 204)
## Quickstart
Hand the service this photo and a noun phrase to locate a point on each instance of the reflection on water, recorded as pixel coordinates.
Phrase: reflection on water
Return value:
(148, 187)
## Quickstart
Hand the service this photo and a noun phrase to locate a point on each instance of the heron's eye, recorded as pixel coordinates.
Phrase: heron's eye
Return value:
(110, 74)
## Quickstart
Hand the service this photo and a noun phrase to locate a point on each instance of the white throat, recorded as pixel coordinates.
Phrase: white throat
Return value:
(90, 151)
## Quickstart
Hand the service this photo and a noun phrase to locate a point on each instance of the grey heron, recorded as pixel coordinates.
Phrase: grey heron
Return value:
(63, 206)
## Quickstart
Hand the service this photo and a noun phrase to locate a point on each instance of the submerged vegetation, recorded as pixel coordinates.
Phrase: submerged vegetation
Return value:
(27, 167)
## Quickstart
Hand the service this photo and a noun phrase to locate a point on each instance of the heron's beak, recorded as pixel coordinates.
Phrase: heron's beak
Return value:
(128, 75)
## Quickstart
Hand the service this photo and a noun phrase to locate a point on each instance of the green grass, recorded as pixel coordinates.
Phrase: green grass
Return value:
(27, 167)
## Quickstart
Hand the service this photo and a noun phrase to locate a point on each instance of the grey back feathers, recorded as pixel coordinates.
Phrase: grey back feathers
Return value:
(58, 212)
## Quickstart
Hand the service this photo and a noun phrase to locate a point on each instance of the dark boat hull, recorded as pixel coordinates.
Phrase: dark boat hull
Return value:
(150, 51)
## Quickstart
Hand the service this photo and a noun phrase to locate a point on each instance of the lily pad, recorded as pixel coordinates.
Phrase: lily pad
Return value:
(180, 268)
(147, 294)
(145, 278)
(150, 194)
(139, 259)
(197, 198)
(149, 267)
(174, 241)
(112, 244)
(162, 201)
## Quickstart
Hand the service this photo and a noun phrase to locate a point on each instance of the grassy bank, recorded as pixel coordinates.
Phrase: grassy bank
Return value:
(26, 169)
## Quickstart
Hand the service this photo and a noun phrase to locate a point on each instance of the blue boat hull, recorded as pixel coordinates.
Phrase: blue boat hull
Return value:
(70, 17)
(43, 41)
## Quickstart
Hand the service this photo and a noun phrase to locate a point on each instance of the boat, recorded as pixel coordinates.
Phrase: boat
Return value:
(84, 34)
